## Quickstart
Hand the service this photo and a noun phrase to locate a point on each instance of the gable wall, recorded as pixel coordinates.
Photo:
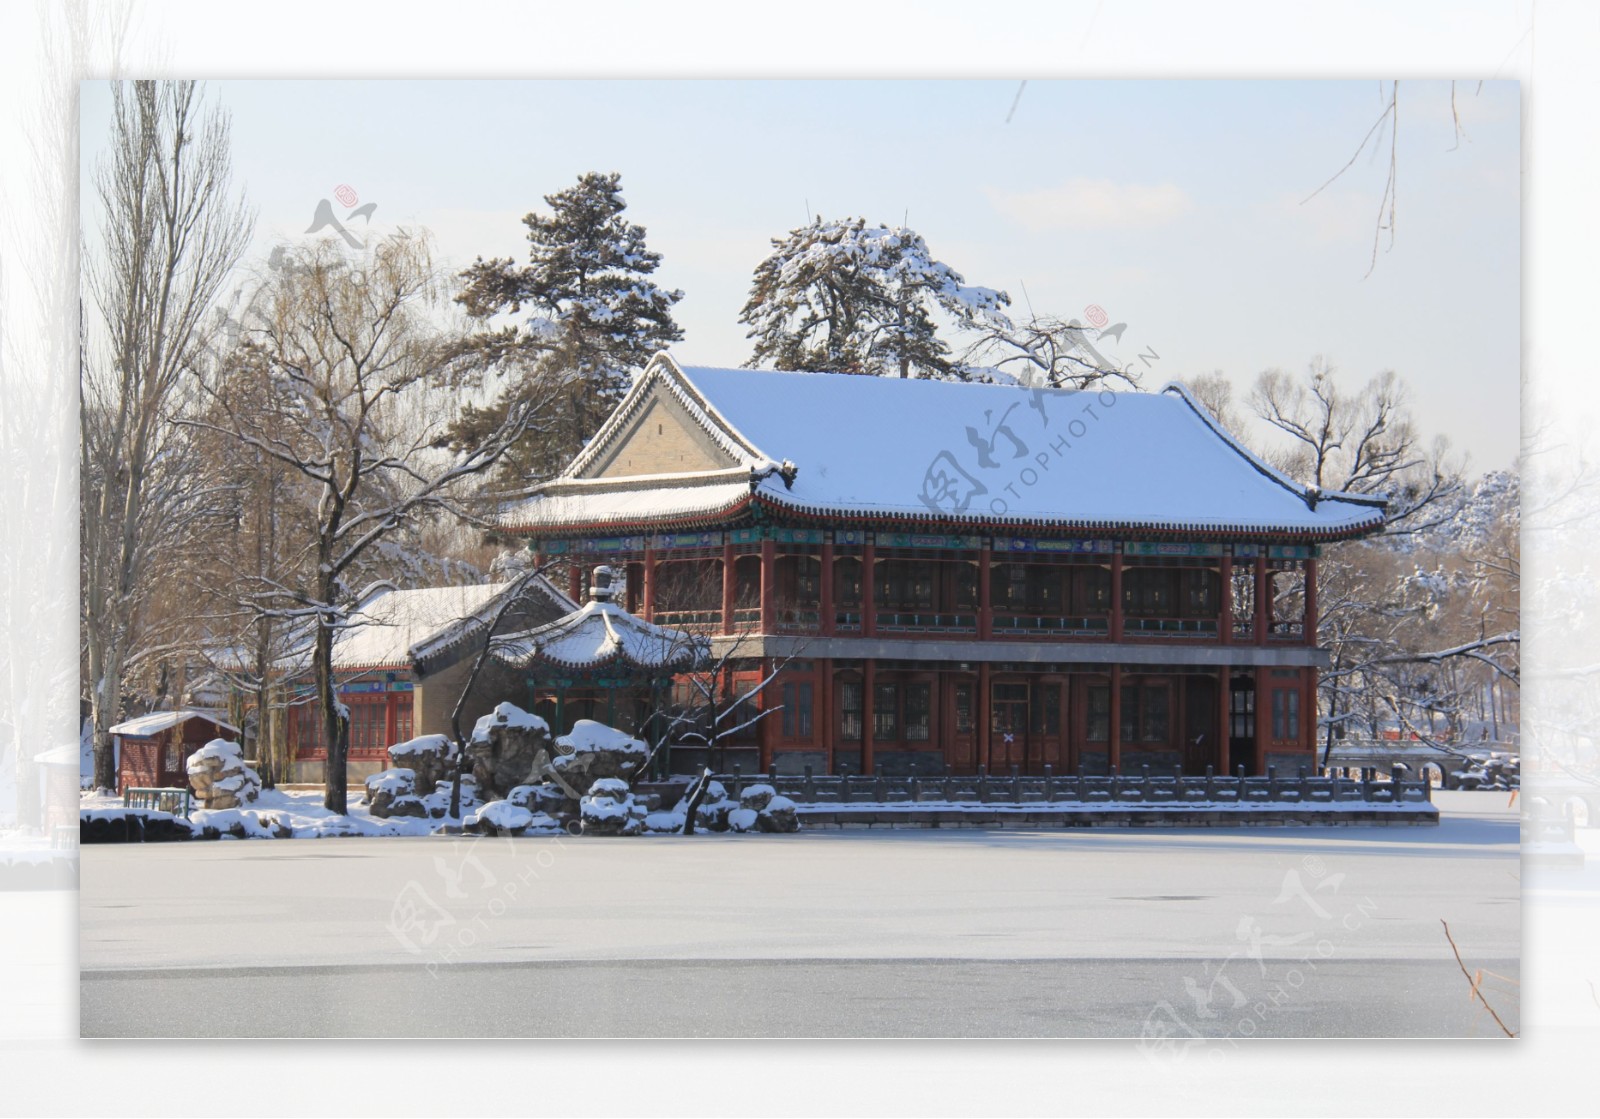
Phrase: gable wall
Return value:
(663, 441)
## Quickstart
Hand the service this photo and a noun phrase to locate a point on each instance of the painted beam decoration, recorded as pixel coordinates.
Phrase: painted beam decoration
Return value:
(1149, 548)
(928, 540)
(1052, 547)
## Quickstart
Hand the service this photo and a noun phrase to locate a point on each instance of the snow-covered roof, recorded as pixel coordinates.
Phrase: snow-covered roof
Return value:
(388, 627)
(879, 449)
(157, 721)
(537, 601)
(598, 633)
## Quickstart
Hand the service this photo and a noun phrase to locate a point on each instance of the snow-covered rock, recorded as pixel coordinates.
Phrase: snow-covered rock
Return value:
(508, 746)
(779, 815)
(430, 757)
(594, 751)
(384, 789)
(757, 796)
(610, 809)
(220, 777)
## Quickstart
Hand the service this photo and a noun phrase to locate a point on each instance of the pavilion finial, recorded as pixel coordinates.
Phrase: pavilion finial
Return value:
(601, 585)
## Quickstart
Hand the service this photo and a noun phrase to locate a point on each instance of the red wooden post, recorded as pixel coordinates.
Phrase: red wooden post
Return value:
(769, 585)
(1311, 602)
(1263, 717)
(868, 676)
(869, 598)
(983, 727)
(985, 595)
(1225, 598)
(1223, 720)
(729, 582)
(764, 731)
(1116, 594)
(824, 725)
(1114, 731)
(649, 606)
(825, 592)
(574, 581)
(1308, 709)
(1263, 607)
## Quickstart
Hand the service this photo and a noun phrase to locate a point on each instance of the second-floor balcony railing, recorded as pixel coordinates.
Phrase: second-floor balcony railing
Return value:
(798, 621)
(1286, 631)
(1169, 627)
(901, 622)
(1047, 625)
(689, 619)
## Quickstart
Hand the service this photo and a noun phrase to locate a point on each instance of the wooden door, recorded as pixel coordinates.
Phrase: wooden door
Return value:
(1008, 727)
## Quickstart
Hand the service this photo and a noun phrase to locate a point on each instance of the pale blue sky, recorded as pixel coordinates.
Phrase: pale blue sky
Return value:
(1176, 206)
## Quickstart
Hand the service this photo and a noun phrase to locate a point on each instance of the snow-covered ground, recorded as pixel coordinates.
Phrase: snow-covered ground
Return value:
(1156, 893)
(299, 810)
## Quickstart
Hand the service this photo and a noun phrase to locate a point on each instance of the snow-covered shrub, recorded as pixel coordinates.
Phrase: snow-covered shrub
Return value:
(757, 796)
(779, 815)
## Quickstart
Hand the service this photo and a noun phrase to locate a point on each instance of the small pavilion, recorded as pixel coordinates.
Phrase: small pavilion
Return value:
(599, 662)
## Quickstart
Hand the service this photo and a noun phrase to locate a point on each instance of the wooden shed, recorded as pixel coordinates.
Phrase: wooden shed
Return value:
(153, 750)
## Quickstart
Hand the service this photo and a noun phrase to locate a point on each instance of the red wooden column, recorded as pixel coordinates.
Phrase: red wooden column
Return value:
(574, 581)
(868, 677)
(983, 727)
(1223, 720)
(1116, 594)
(764, 731)
(825, 619)
(985, 595)
(769, 585)
(1114, 731)
(1263, 607)
(1263, 717)
(1225, 597)
(729, 582)
(1311, 602)
(1308, 709)
(649, 606)
(824, 726)
(869, 597)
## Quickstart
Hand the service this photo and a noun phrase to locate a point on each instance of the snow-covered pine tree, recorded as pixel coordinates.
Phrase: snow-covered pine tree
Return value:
(846, 297)
(593, 315)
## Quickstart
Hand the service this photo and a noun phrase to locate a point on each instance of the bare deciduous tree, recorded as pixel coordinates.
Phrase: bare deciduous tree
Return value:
(357, 371)
(171, 231)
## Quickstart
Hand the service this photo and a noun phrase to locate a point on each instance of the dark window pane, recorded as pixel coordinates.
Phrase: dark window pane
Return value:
(886, 712)
(850, 711)
(918, 712)
(963, 702)
(1098, 713)
(1154, 715)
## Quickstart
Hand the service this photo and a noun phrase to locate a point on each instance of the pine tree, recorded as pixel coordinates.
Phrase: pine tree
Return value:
(846, 297)
(593, 317)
